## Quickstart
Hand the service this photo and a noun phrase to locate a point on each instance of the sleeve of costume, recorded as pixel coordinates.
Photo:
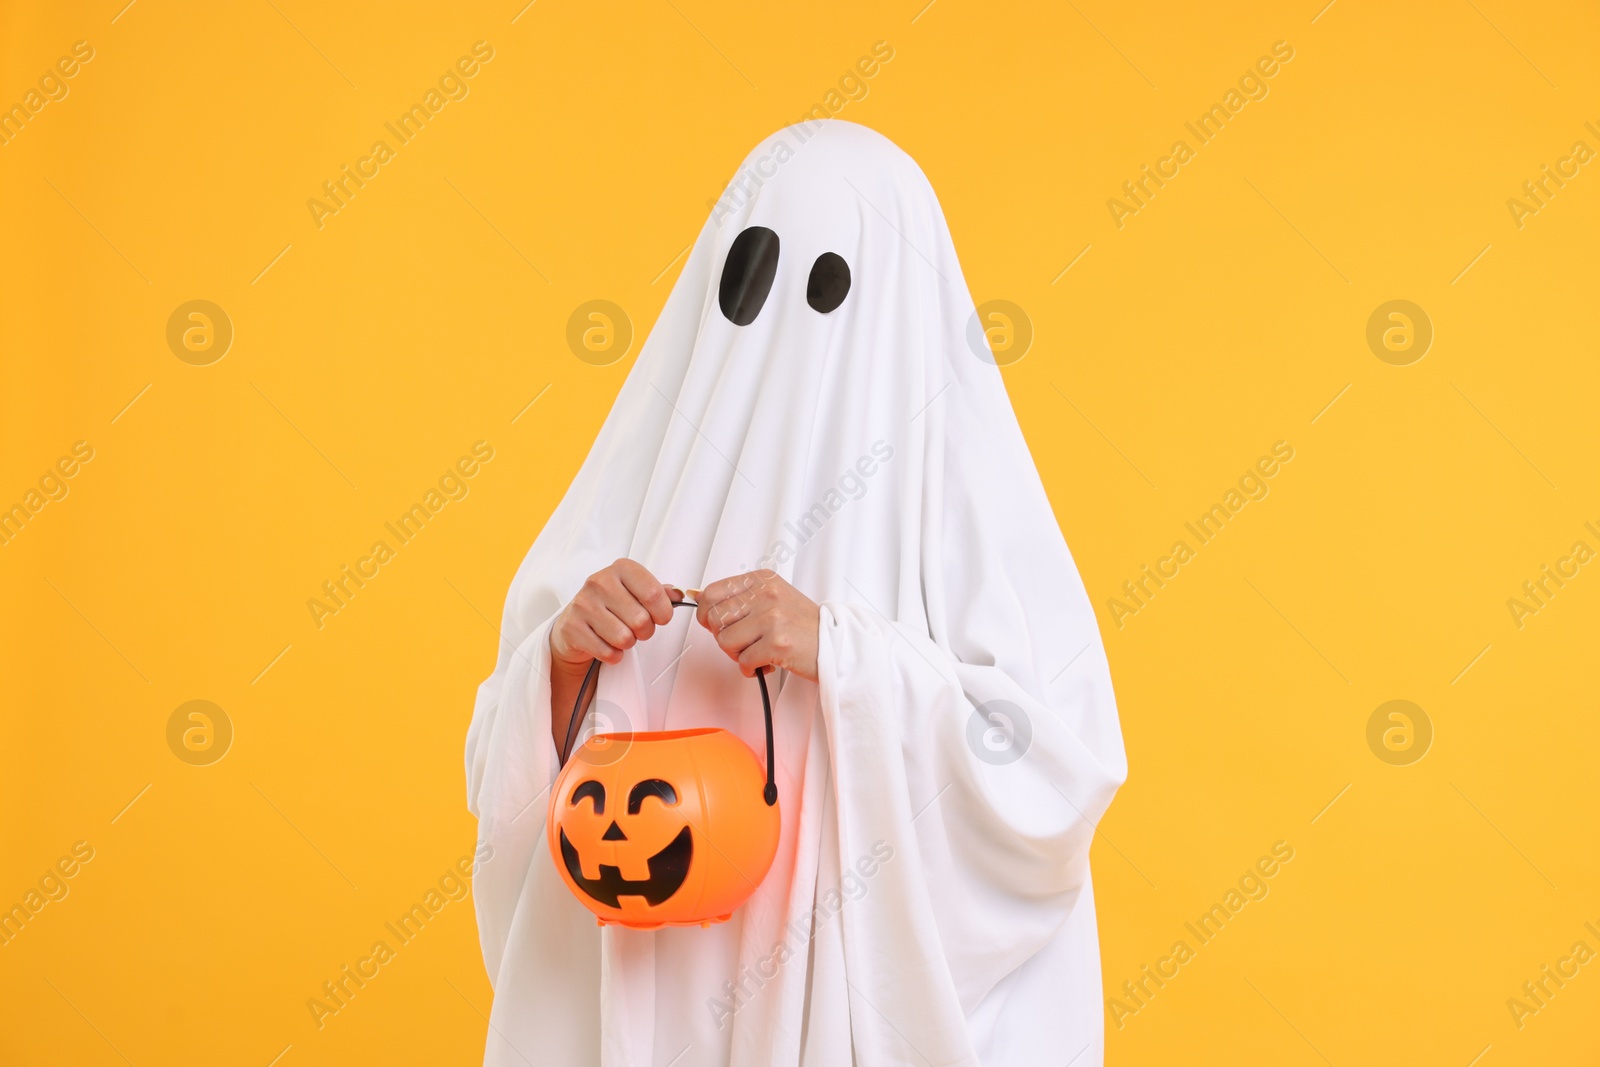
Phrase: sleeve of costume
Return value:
(988, 822)
(980, 744)
(540, 948)
(511, 763)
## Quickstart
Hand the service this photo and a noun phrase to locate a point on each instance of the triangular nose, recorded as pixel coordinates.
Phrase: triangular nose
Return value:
(613, 833)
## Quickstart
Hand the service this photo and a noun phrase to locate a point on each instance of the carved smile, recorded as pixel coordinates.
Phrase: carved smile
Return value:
(668, 869)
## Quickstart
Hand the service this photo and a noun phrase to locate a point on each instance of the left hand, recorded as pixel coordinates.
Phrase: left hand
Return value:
(760, 620)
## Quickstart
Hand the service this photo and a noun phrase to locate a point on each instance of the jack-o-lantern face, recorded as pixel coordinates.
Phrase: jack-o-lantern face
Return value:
(662, 829)
(668, 868)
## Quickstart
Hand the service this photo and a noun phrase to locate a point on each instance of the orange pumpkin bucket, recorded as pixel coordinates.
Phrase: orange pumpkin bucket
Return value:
(663, 828)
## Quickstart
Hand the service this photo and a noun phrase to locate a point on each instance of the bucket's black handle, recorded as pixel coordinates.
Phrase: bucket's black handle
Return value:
(768, 794)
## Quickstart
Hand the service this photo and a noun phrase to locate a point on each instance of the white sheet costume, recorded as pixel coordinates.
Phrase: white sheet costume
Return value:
(931, 901)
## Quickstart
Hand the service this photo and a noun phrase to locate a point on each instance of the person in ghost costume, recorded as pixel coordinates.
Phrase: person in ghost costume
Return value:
(808, 434)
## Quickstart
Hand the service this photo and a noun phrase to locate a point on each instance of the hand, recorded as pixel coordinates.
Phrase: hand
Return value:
(760, 620)
(616, 609)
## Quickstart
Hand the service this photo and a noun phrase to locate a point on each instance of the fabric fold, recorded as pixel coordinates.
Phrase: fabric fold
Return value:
(989, 858)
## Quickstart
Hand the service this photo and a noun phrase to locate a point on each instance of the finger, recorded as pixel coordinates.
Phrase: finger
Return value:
(740, 585)
(741, 635)
(764, 653)
(617, 635)
(725, 613)
(583, 638)
(638, 621)
(621, 603)
(723, 588)
(644, 588)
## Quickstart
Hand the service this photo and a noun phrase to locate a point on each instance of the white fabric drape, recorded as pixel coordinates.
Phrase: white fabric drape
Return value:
(931, 900)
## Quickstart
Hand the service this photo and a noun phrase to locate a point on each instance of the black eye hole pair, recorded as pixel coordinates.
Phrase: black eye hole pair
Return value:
(752, 264)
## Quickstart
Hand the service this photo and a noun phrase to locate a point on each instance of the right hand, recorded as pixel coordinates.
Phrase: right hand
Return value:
(617, 608)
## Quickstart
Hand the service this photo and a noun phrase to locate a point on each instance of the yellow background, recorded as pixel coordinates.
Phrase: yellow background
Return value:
(429, 312)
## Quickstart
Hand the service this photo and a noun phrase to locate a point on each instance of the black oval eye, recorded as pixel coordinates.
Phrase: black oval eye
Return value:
(651, 787)
(829, 282)
(747, 275)
(595, 791)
